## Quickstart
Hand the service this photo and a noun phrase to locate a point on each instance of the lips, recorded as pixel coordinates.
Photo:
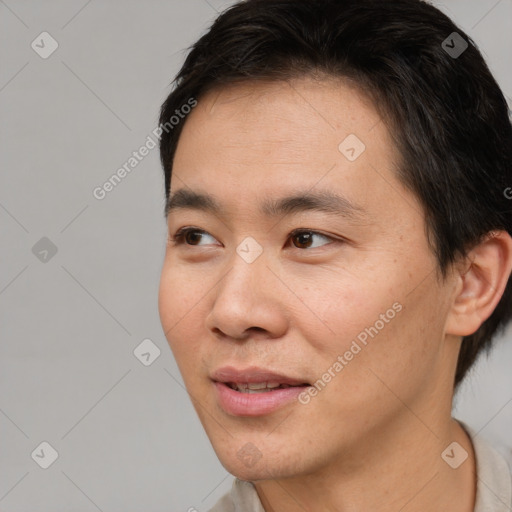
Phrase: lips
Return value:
(254, 391)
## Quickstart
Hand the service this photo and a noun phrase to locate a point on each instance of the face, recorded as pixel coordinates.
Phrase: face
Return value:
(332, 295)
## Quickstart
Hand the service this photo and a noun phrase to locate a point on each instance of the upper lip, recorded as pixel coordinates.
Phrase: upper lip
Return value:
(252, 374)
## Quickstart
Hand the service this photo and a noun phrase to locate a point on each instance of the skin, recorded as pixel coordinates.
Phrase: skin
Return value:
(373, 438)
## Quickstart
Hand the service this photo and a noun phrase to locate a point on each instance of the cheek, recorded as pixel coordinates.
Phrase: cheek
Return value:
(393, 358)
(378, 324)
(179, 300)
(346, 306)
(179, 307)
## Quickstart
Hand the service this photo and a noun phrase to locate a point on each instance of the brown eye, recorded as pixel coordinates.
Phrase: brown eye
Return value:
(189, 236)
(304, 239)
(192, 237)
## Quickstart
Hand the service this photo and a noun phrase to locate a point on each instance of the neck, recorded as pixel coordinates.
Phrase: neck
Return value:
(400, 470)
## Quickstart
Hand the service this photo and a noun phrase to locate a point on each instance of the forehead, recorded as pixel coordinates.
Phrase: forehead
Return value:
(285, 117)
(267, 137)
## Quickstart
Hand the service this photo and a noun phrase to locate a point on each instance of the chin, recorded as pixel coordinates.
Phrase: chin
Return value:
(246, 461)
(259, 472)
(248, 474)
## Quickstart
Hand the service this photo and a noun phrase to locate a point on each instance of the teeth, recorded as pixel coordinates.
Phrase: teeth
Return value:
(256, 387)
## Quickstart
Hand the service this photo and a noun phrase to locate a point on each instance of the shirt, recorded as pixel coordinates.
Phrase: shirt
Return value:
(493, 491)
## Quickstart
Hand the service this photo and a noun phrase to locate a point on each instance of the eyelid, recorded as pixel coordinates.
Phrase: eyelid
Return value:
(311, 230)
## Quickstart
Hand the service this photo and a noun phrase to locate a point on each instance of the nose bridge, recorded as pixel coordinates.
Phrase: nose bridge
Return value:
(248, 267)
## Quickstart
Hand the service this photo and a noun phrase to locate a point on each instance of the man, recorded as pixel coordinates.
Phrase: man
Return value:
(339, 253)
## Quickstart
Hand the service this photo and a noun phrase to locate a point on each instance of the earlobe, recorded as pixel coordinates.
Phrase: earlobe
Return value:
(481, 283)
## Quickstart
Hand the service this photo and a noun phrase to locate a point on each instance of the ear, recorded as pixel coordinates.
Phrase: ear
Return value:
(480, 282)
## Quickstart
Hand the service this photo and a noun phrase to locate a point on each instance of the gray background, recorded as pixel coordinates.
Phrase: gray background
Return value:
(126, 435)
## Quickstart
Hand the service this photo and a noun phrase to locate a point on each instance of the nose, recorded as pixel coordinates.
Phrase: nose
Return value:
(250, 297)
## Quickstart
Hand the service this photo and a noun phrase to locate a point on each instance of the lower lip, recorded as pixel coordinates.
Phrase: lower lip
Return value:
(254, 404)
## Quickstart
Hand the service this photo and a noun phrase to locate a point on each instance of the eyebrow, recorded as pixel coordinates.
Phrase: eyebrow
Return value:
(321, 200)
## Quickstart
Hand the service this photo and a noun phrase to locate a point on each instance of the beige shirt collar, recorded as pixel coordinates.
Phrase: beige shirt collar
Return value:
(494, 480)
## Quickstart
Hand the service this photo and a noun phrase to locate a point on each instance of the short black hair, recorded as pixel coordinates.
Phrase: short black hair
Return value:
(445, 111)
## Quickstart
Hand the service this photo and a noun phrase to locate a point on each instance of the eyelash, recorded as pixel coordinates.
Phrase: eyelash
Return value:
(179, 236)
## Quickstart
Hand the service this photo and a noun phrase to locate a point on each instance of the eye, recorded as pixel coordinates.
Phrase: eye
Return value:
(301, 238)
(305, 237)
(189, 236)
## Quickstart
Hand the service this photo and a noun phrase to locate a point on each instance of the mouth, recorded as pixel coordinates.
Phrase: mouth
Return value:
(261, 387)
(255, 391)
(255, 379)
